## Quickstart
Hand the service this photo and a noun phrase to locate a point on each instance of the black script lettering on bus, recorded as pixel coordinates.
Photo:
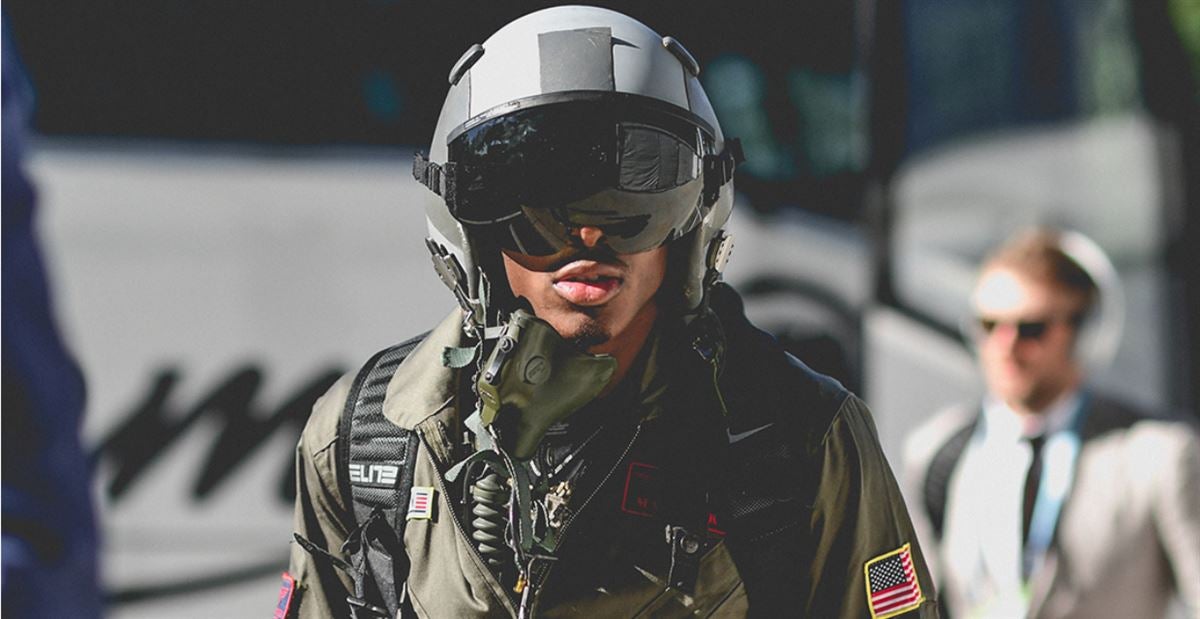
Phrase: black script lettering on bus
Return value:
(152, 427)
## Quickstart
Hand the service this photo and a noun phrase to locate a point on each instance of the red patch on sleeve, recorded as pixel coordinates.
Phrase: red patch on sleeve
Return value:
(286, 592)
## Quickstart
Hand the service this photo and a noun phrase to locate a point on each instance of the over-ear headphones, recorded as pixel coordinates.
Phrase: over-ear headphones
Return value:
(1099, 334)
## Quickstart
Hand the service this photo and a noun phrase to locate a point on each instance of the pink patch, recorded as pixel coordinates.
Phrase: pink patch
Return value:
(286, 592)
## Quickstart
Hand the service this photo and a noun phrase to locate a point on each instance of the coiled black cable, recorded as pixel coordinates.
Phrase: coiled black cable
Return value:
(489, 519)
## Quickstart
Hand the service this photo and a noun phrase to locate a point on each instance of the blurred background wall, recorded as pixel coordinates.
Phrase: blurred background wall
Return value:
(230, 222)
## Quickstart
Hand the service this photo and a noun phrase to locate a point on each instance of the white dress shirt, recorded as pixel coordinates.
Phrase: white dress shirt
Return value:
(983, 523)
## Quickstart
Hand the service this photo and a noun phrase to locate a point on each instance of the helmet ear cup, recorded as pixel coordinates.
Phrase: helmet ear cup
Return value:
(1098, 335)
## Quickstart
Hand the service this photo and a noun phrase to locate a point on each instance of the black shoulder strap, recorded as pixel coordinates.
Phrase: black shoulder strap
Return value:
(937, 477)
(376, 461)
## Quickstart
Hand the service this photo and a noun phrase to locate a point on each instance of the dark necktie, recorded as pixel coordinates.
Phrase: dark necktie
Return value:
(1032, 479)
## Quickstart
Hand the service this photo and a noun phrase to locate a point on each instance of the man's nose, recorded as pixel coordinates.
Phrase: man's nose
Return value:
(1004, 335)
(590, 236)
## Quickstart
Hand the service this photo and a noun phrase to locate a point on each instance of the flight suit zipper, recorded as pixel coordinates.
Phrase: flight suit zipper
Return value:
(462, 531)
(562, 536)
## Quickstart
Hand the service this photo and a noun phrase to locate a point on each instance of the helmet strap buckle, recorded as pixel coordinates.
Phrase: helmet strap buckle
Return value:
(455, 278)
(440, 179)
(718, 168)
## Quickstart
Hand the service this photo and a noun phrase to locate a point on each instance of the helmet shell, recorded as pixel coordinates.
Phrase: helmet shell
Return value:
(549, 56)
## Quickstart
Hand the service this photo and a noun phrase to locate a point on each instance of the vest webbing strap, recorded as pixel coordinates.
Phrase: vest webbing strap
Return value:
(376, 461)
(937, 477)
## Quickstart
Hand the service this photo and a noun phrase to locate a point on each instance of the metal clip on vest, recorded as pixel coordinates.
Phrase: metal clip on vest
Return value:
(686, 550)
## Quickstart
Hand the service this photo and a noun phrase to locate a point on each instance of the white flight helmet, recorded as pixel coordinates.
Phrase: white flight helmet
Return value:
(574, 116)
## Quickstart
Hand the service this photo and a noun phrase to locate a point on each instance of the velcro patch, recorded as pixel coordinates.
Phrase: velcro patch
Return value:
(643, 486)
(420, 503)
(714, 527)
(892, 586)
(286, 592)
(376, 474)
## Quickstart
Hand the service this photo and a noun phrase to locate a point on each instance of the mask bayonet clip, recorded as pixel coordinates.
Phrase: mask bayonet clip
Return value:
(686, 551)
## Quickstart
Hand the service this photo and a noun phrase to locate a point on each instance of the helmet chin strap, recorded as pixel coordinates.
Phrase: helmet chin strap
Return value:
(720, 248)
(701, 327)
(452, 274)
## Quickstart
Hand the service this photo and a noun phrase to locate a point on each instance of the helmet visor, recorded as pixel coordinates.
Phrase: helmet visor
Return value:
(528, 179)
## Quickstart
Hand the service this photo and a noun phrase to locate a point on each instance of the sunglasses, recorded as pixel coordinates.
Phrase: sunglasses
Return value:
(1028, 330)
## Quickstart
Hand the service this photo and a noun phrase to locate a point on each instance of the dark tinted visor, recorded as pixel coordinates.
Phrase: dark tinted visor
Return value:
(555, 154)
(632, 222)
(528, 177)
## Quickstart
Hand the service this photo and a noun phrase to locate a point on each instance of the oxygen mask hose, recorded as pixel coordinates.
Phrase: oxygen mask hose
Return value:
(532, 379)
(489, 507)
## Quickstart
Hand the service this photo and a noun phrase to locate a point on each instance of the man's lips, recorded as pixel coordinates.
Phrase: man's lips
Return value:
(585, 282)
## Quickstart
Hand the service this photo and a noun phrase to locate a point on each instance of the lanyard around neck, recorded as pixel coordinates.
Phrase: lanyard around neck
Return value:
(1058, 473)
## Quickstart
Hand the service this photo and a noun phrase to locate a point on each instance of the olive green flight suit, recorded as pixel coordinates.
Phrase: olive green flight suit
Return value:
(791, 500)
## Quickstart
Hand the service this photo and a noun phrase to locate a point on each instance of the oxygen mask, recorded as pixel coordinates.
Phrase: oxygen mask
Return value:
(533, 379)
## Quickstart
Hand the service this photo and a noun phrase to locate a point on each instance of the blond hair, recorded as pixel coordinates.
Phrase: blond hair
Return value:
(1039, 255)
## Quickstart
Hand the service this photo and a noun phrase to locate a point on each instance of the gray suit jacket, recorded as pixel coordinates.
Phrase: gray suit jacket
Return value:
(1129, 534)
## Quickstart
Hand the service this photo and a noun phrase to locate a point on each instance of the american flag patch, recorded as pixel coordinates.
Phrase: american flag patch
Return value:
(286, 592)
(892, 586)
(420, 503)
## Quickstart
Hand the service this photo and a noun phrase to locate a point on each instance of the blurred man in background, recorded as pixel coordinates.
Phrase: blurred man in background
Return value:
(49, 550)
(1046, 499)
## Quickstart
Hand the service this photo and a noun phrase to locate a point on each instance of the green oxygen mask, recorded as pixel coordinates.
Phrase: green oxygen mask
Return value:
(535, 378)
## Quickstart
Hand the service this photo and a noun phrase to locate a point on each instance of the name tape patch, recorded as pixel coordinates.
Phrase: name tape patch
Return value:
(375, 474)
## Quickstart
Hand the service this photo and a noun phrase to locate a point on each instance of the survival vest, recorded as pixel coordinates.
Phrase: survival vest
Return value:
(765, 538)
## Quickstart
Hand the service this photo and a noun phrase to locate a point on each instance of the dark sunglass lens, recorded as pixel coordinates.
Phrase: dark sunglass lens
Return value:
(1031, 330)
(519, 236)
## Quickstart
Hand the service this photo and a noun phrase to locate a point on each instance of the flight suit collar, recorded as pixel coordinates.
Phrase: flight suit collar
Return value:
(422, 393)
(423, 386)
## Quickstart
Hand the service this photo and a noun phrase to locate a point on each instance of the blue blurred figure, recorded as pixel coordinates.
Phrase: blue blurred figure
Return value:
(49, 534)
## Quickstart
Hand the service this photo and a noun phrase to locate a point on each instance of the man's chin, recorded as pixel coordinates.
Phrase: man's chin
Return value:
(588, 335)
(581, 328)
(1028, 399)
(1013, 393)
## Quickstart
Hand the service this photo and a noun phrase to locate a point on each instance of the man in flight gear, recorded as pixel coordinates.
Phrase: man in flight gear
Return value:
(597, 431)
